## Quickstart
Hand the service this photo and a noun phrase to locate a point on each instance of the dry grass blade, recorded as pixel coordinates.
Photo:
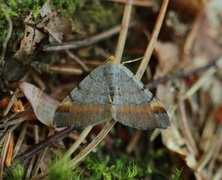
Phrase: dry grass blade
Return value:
(153, 40)
(4, 152)
(92, 145)
(70, 53)
(12, 100)
(71, 150)
(124, 30)
(190, 142)
(85, 42)
(43, 144)
(20, 140)
(136, 2)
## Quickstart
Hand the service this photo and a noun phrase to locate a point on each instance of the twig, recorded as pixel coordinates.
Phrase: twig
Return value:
(4, 152)
(136, 137)
(153, 40)
(216, 153)
(204, 78)
(85, 42)
(69, 152)
(20, 140)
(181, 74)
(12, 100)
(5, 141)
(59, 69)
(136, 2)
(124, 30)
(79, 61)
(80, 139)
(190, 142)
(12, 122)
(41, 156)
(92, 145)
(47, 142)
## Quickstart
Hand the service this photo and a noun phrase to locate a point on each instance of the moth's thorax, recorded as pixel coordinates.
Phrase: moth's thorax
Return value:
(111, 77)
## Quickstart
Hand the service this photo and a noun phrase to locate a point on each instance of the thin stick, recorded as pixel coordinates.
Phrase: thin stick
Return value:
(4, 152)
(41, 156)
(153, 40)
(183, 74)
(79, 61)
(190, 142)
(92, 145)
(20, 140)
(136, 2)
(206, 77)
(12, 122)
(136, 137)
(85, 42)
(47, 142)
(72, 149)
(124, 30)
(12, 100)
(80, 139)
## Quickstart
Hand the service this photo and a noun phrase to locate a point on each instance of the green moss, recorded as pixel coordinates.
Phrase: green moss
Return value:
(61, 173)
(177, 174)
(87, 17)
(103, 168)
(16, 172)
(17, 10)
(69, 5)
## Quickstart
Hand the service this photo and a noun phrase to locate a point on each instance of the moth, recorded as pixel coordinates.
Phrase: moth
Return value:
(111, 91)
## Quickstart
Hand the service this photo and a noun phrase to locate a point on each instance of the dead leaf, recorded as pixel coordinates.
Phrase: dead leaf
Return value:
(60, 29)
(31, 39)
(43, 105)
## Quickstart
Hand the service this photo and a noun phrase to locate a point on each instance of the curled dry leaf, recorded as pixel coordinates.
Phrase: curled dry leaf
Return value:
(59, 29)
(32, 37)
(33, 33)
(173, 140)
(43, 105)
